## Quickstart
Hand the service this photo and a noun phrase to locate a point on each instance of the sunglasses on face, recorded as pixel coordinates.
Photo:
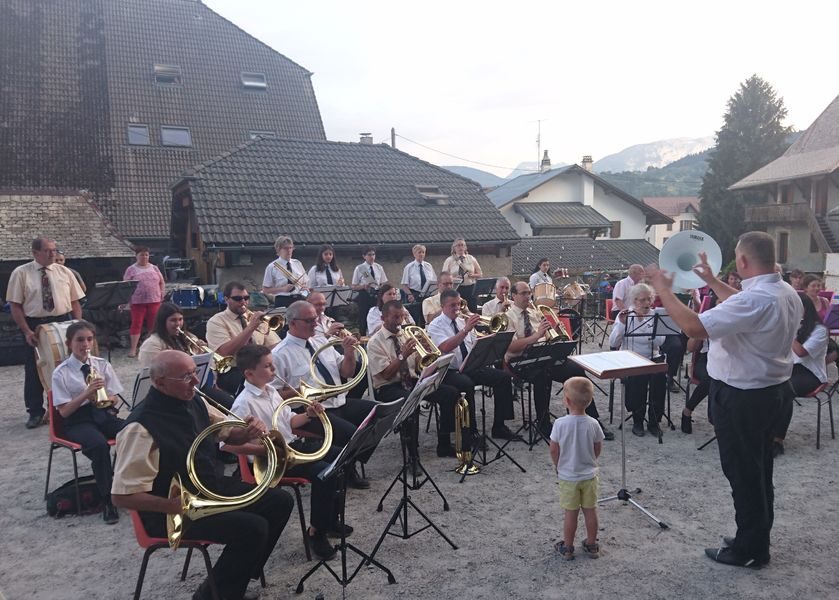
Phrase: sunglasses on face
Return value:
(240, 298)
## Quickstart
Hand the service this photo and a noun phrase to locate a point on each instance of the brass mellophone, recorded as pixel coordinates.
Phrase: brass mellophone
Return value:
(274, 320)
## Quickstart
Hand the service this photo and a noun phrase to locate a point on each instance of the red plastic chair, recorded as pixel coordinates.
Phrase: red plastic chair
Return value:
(56, 423)
(296, 483)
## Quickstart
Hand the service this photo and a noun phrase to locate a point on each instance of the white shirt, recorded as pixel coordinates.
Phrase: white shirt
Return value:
(440, 329)
(816, 347)
(68, 380)
(318, 278)
(621, 288)
(576, 436)
(539, 277)
(491, 307)
(292, 361)
(411, 277)
(261, 404)
(638, 325)
(361, 275)
(453, 264)
(274, 277)
(320, 337)
(374, 320)
(751, 333)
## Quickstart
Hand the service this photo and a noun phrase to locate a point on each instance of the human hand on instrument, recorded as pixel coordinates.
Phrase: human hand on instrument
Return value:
(542, 329)
(659, 279)
(32, 339)
(334, 328)
(348, 343)
(703, 269)
(255, 429)
(256, 319)
(471, 322)
(622, 316)
(409, 347)
(93, 386)
(314, 410)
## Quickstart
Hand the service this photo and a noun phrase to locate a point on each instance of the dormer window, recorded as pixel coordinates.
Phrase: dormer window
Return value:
(167, 74)
(255, 134)
(175, 136)
(431, 194)
(254, 81)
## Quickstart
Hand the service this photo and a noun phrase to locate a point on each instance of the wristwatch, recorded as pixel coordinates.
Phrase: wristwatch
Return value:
(400, 357)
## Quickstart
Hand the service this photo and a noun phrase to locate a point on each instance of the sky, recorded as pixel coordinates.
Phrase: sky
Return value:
(473, 79)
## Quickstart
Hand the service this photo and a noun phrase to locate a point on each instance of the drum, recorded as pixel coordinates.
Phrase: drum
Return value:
(545, 294)
(52, 349)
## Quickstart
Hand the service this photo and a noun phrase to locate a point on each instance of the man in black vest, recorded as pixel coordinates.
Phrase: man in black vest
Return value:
(153, 446)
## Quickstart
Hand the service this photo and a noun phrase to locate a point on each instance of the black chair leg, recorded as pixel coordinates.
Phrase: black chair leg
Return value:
(299, 501)
(209, 566)
(49, 470)
(142, 575)
(186, 564)
(76, 481)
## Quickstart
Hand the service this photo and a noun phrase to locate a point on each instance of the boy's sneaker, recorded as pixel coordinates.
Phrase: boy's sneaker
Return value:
(591, 550)
(566, 552)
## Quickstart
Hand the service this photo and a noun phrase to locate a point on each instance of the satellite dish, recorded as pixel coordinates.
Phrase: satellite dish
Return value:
(681, 253)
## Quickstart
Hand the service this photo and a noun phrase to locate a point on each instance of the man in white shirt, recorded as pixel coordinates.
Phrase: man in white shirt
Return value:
(417, 276)
(636, 274)
(501, 302)
(431, 306)
(749, 363)
(367, 278)
(277, 283)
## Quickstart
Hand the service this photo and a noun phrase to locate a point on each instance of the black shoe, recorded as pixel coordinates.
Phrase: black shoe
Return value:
(654, 429)
(502, 432)
(355, 480)
(674, 388)
(321, 547)
(638, 428)
(203, 591)
(687, 424)
(728, 556)
(34, 421)
(110, 514)
(445, 450)
(608, 435)
(335, 530)
(777, 449)
(728, 541)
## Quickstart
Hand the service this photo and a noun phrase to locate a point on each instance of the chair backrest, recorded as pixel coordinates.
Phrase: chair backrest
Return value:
(817, 391)
(142, 384)
(609, 305)
(56, 424)
(245, 471)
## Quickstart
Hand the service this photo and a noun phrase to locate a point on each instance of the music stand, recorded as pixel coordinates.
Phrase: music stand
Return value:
(366, 437)
(619, 365)
(664, 325)
(336, 295)
(108, 296)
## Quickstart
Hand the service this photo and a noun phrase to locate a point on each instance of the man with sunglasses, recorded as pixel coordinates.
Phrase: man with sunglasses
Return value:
(229, 331)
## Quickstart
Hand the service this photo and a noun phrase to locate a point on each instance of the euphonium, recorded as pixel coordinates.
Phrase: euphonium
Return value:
(463, 422)
(221, 364)
(274, 320)
(426, 349)
(101, 400)
(557, 330)
(495, 323)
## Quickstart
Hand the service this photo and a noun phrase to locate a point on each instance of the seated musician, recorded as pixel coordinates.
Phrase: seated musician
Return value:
(85, 424)
(465, 268)
(387, 293)
(154, 445)
(229, 331)
(367, 278)
(619, 294)
(642, 391)
(292, 360)
(417, 275)
(501, 302)
(450, 332)
(393, 364)
(542, 273)
(260, 400)
(168, 334)
(431, 307)
(326, 271)
(325, 327)
(277, 283)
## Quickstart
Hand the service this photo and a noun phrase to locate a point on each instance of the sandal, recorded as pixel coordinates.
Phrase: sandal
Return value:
(591, 550)
(566, 552)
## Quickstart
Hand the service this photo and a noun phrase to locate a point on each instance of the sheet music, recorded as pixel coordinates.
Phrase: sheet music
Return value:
(600, 363)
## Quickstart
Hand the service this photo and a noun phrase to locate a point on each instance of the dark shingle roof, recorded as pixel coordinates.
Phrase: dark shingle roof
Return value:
(73, 222)
(559, 215)
(579, 254)
(337, 192)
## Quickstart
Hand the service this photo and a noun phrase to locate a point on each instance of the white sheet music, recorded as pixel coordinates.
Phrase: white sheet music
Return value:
(601, 363)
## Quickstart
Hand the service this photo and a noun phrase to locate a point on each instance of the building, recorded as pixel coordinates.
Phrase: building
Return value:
(227, 212)
(581, 254)
(119, 97)
(684, 210)
(802, 196)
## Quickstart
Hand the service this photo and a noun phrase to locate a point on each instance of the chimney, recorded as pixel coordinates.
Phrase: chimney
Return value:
(366, 138)
(546, 163)
(587, 162)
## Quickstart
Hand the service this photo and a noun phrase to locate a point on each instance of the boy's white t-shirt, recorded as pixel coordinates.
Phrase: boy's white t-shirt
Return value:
(576, 436)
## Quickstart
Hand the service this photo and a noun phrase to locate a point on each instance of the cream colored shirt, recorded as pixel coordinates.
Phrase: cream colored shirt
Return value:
(25, 289)
(431, 307)
(470, 265)
(224, 326)
(381, 351)
(150, 348)
(515, 323)
(491, 307)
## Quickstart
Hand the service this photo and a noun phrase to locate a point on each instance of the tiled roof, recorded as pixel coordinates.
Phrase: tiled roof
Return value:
(559, 215)
(579, 254)
(338, 192)
(75, 73)
(672, 206)
(815, 153)
(73, 221)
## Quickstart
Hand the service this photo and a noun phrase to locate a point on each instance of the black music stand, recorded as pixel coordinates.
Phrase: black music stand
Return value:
(619, 365)
(106, 297)
(664, 325)
(486, 352)
(336, 295)
(366, 437)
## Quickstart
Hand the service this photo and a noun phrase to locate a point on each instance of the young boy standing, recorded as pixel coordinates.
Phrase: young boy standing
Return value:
(576, 441)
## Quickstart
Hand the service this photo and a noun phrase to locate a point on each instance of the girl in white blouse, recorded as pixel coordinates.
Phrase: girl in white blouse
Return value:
(326, 271)
(541, 275)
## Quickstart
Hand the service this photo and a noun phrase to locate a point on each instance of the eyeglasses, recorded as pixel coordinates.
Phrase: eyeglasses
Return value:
(311, 321)
(239, 298)
(186, 378)
(525, 293)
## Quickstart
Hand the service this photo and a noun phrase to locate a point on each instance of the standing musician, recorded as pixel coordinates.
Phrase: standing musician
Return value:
(75, 383)
(386, 294)
(230, 330)
(431, 306)
(154, 445)
(293, 358)
(450, 332)
(750, 359)
(541, 274)
(40, 292)
(634, 277)
(393, 364)
(501, 302)
(417, 275)
(464, 267)
(326, 271)
(367, 278)
(275, 282)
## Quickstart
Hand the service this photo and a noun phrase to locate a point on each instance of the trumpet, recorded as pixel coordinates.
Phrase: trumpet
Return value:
(292, 278)
(274, 320)
(557, 330)
(426, 349)
(101, 400)
(495, 323)
(221, 364)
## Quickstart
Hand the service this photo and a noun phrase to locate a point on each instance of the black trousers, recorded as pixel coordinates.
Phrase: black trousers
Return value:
(365, 302)
(743, 422)
(700, 372)
(674, 347)
(646, 391)
(33, 391)
(232, 381)
(445, 397)
(502, 391)
(92, 428)
(801, 383)
(564, 372)
(323, 511)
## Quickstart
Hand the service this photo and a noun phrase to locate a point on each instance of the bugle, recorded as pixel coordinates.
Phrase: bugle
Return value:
(274, 319)
(462, 425)
(221, 364)
(495, 323)
(425, 348)
(101, 400)
(557, 329)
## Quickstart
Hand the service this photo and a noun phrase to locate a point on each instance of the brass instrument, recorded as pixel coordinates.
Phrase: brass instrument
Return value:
(557, 330)
(101, 400)
(193, 506)
(274, 319)
(292, 278)
(426, 349)
(495, 323)
(221, 364)
(461, 422)
(310, 393)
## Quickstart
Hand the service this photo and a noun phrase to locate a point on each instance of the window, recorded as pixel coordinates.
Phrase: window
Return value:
(175, 136)
(670, 227)
(138, 135)
(615, 231)
(783, 247)
(167, 74)
(254, 81)
(663, 240)
(431, 194)
(685, 225)
(258, 134)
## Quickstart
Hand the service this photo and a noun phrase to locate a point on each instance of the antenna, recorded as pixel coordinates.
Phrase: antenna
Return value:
(539, 141)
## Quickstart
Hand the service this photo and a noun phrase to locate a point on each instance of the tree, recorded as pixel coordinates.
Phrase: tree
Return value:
(752, 135)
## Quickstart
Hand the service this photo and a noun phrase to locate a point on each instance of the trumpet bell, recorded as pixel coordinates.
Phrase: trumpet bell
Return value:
(681, 253)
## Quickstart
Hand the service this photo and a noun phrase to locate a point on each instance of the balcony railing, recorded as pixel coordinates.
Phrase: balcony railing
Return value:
(779, 213)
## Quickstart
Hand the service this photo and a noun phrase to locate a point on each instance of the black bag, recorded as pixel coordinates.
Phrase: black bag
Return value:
(62, 500)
